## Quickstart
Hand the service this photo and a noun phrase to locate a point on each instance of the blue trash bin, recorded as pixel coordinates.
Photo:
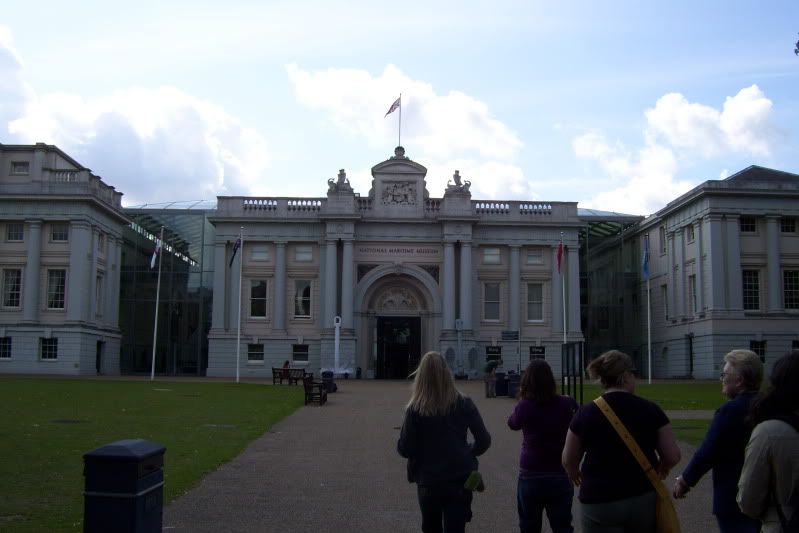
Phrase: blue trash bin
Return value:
(514, 380)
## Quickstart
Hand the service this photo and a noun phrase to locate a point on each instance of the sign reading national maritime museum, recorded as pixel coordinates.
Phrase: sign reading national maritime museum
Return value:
(377, 252)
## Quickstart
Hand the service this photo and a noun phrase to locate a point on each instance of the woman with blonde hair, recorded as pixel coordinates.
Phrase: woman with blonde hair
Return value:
(433, 439)
(615, 492)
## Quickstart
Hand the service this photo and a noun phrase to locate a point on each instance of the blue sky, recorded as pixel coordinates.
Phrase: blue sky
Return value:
(616, 105)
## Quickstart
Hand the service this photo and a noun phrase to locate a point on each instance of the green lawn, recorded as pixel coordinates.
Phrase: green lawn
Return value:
(48, 424)
(704, 395)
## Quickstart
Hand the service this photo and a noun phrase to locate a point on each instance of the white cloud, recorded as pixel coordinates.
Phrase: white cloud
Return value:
(744, 124)
(447, 132)
(151, 144)
(644, 180)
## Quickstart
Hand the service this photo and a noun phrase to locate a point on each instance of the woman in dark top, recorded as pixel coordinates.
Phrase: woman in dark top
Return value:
(615, 493)
(433, 439)
(543, 416)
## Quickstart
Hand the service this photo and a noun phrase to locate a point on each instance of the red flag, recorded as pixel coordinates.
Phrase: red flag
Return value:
(560, 255)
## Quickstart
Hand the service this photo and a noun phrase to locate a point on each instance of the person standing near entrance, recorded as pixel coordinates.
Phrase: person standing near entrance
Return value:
(725, 442)
(543, 416)
(433, 439)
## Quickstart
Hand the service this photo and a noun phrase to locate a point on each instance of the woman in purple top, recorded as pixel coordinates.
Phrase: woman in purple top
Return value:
(543, 416)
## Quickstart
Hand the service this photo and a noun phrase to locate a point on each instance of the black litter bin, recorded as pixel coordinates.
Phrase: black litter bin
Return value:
(358, 373)
(124, 487)
(513, 384)
(327, 381)
(502, 384)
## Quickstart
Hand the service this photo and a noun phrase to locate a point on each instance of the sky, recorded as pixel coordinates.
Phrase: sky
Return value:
(617, 105)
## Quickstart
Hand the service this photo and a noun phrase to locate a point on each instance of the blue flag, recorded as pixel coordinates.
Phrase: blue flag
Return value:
(646, 257)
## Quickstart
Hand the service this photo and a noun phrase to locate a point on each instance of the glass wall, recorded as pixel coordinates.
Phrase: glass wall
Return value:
(184, 304)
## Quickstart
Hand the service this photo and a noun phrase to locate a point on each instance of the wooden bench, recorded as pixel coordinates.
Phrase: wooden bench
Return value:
(291, 375)
(314, 391)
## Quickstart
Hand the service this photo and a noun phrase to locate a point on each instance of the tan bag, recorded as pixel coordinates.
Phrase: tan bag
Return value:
(665, 513)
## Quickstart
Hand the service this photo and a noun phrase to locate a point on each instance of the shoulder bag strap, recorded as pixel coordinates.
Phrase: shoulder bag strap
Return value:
(631, 445)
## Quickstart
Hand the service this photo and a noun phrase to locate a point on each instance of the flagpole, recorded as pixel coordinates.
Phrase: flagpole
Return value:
(157, 298)
(399, 130)
(238, 327)
(563, 288)
(648, 314)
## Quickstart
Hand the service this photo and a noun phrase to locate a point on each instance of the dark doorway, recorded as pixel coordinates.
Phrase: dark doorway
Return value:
(98, 358)
(398, 346)
(690, 342)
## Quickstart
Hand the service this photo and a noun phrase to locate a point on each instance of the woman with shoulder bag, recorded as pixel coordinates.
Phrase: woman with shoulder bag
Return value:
(616, 492)
(433, 439)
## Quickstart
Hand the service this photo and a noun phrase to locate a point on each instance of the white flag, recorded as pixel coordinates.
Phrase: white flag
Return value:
(155, 253)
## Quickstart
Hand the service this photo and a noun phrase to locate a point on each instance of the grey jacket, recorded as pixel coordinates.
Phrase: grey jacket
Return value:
(772, 460)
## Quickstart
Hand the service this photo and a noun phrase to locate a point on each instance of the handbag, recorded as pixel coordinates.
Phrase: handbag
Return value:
(665, 514)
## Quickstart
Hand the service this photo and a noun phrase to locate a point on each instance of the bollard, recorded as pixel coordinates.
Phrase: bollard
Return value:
(124, 487)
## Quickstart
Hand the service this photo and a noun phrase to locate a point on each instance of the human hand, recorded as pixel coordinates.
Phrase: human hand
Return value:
(681, 488)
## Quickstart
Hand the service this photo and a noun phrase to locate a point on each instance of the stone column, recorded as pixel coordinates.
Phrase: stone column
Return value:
(700, 278)
(734, 275)
(80, 241)
(513, 283)
(773, 261)
(671, 276)
(557, 295)
(681, 305)
(331, 278)
(32, 278)
(448, 312)
(715, 259)
(95, 236)
(573, 292)
(279, 312)
(466, 285)
(220, 269)
(112, 277)
(347, 285)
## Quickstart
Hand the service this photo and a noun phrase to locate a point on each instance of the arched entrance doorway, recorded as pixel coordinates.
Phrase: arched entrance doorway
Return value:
(398, 318)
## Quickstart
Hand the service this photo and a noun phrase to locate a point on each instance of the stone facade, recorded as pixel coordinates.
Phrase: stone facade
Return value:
(61, 239)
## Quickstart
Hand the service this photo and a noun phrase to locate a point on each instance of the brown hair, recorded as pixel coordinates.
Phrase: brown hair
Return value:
(610, 367)
(538, 383)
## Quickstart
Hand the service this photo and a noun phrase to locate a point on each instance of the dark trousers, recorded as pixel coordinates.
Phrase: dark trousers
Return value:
(737, 523)
(551, 494)
(447, 502)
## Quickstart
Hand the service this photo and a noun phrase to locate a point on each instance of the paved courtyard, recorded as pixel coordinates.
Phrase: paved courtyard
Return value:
(336, 468)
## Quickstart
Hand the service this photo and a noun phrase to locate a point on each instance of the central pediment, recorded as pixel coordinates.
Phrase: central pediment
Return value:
(398, 187)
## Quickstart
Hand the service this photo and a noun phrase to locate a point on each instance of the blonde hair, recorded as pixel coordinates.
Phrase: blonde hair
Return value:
(433, 392)
(748, 366)
(610, 367)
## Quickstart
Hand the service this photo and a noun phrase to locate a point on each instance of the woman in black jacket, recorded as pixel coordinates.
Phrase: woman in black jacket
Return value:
(433, 439)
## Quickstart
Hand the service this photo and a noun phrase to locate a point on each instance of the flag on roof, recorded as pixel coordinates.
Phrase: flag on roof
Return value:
(560, 255)
(645, 266)
(393, 107)
(236, 247)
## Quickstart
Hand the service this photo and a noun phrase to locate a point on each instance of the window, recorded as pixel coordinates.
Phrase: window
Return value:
(302, 298)
(788, 225)
(20, 168)
(258, 298)
(748, 224)
(98, 296)
(255, 353)
(56, 288)
(664, 293)
(535, 257)
(491, 256)
(260, 252)
(101, 243)
(790, 289)
(12, 287)
(535, 302)
(59, 232)
(662, 239)
(14, 232)
(692, 294)
(5, 347)
(751, 279)
(303, 254)
(689, 231)
(491, 301)
(759, 347)
(299, 353)
(48, 349)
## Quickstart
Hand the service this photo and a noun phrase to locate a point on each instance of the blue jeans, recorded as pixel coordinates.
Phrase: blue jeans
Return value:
(553, 494)
(738, 523)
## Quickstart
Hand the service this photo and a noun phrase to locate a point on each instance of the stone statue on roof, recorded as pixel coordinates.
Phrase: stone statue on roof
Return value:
(341, 184)
(459, 185)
